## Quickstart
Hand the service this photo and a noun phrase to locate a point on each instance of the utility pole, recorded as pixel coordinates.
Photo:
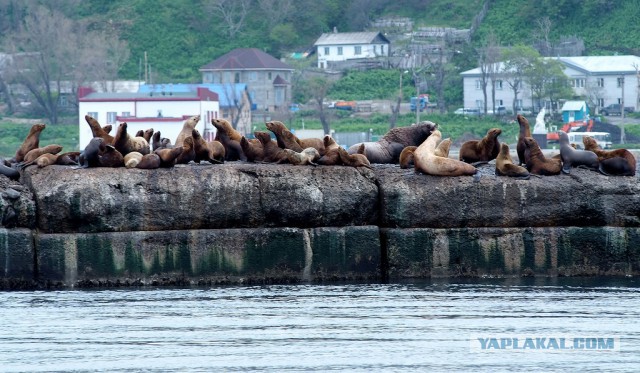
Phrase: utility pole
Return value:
(622, 111)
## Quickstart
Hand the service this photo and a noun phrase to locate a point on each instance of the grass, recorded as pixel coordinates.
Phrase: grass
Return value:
(12, 135)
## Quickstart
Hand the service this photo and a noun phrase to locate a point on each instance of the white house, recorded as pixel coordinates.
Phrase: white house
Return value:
(344, 46)
(164, 112)
(602, 80)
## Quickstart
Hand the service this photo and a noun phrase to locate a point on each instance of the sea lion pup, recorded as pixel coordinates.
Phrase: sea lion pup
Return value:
(125, 144)
(32, 141)
(68, 159)
(149, 162)
(406, 157)
(97, 130)
(168, 156)
(506, 167)
(132, 159)
(271, 152)
(331, 156)
(46, 159)
(252, 150)
(31, 157)
(525, 131)
(483, 150)
(226, 135)
(187, 127)
(203, 150)
(188, 152)
(574, 158)
(306, 156)
(159, 143)
(619, 167)
(427, 162)
(353, 160)
(537, 163)
(389, 147)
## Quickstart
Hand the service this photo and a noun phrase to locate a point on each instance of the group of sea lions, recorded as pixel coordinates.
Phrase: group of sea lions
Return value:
(419, 146)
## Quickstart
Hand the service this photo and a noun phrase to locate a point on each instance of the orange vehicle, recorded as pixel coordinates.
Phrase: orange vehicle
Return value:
(345, 105)
(567, 127)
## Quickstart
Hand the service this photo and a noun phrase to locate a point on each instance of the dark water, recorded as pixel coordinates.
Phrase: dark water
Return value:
(355, 327)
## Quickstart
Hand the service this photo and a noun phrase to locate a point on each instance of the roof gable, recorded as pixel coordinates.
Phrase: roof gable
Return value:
(246, 59)
(342, 38)
(574, 106)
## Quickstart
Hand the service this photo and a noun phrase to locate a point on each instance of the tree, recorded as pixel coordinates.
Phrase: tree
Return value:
(547, 80)
(318, 88)
(230, 15)
(517, 61)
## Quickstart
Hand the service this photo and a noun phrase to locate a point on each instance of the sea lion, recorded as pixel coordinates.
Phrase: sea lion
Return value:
(33, 154)
(483, 150)
(406, 157)
(46, 159)
(574, 158)
(126, 144)
(140, 133)
(427, 162)
(149, 162)
(306, 156)
(97, 130)
(252, 150)
(389, 147)
(188, 152)
(187, 127)
(331, 156)
(536, 161)
(68, 159)
(232, 148)
(285, 138)
(9, 172)
(442, 150)
(618, 167)
(168, 156)
(158, 142)
(203, 150)
(89, 157)
(110, 157)
(271, 152)
(107, 129)
(132, 159)
(506, 167)
(148, 133)
(32, 141)
(353, 160)
(525, 131)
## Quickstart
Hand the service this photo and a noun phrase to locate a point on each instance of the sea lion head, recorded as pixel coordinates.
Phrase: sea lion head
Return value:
(563, 138)
(263, 136)
(38, 127)
(494, 132)
(590, 143)
(530, 142)
(275, 126)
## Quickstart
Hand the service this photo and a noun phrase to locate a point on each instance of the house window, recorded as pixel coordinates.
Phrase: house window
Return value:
(208, 77)
(126, 114)
(111, 117)
(326, 51)
(479, 103)
(279, 96)
(253, 76)
(600, 82)
(578, 83)
(620, 81)
(357, 50)
(499, 85)
(600, 102)
(478, 85)
(236, 78)
(499, 103)
(63, 101)
(375, 49)
(339, 51)
(93, 114)
(269, 76)
(518, 103)
(382, 49)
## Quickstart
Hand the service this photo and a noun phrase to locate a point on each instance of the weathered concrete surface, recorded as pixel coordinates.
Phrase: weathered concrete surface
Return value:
(17, 207)
(583, 198)
(565, 251)
(16, 258)
(211, 256)
(233, 195)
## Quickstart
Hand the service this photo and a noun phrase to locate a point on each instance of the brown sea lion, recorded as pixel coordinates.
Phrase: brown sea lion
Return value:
(97, 130)
(132, 159)
(46, 159)
(107, 129)
(331, 156)
(624, 167)
(187, 127)
(148, 133)
(353, 160)
(33, 154)
(536, 161)
(285, 138)
(203, 150)
(188, 152)
(525, 131)
(32, 141)
(442, 150)
(271, 152)
(217, 150)
(149, 162)
(140, 133)
(224, 125)
(506, 167)
(483, 150)
(573, 158)
(158, 142)
(68, 159)
(232, 148)
(406, 157)
(168, 156)
(110, 157)
(389, 147)
(253, 151)
(126, 144)
(427, 162)
(306, 156)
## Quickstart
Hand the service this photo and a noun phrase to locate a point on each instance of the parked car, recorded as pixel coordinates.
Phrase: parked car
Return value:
(614, 109)
(467, 111)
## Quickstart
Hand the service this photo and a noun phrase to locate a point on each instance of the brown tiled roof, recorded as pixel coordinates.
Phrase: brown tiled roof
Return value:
(246, 58)
(279, 81)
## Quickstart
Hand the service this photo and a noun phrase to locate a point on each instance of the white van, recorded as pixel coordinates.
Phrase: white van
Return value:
(602, 138)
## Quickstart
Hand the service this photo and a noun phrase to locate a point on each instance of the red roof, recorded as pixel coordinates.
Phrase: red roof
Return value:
(246, 58)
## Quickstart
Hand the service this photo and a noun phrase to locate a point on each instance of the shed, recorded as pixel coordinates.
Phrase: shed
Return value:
(575, 111)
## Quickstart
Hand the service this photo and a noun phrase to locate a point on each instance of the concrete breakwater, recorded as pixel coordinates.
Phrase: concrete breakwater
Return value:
(257, 223)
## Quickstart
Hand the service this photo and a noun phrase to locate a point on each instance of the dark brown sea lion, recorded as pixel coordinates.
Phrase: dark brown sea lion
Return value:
(149, 162)
(525, 131)
(285, 138)
(110, 157)
(107, 129)
(427, 162)
(484, 150)
(90, 156)
(188, 152)
(536, 161)
(187, 127)
(217, 150)
(68, 159)
(574, 158)
(353, 160)
(306, 156)
(126, 144)
(506, 167)
(389, 147)
(168, 156)
(617, 167)
(97, 130)
(271, 152)
(9, 172)
(140, 133)
(253, 151)
(148, 133)
(32, 141)
(232, 148)
(331, 156)
(224, 125)
(204, 151)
